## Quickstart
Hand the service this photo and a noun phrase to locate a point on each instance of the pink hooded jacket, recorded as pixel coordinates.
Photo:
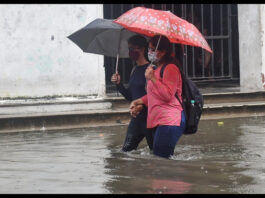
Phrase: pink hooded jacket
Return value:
(163, 107)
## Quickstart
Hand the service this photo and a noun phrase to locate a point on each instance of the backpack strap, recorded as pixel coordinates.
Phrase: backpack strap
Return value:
(162, 70)
(133, 69)
(161, 75)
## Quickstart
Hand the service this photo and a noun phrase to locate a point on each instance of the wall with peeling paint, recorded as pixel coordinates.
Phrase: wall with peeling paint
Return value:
(37, 59)
(251, 46)
(262, 18)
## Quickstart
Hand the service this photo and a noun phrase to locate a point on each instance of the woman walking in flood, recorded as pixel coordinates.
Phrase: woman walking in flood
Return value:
(165, 114)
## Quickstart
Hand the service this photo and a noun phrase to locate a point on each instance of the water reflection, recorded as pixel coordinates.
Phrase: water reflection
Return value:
(207, 162)
(169, 187)
(53, 162)
(253, 157)
(220, 158)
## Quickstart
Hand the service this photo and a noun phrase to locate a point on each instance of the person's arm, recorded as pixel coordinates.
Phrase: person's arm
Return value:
(125, 92)
(166, 88)
(144, 100)
(116, 79)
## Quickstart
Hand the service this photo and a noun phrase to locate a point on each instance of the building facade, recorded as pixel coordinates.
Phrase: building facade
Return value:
(38, 60)
(251, 20)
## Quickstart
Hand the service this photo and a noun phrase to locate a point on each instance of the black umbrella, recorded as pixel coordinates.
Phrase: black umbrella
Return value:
(103, 37)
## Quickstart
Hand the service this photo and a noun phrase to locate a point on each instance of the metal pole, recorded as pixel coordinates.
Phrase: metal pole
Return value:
(123, 62)
(193, 58)
(203, 72)
(173, 10)
(212, 59)
(222, 40)
(111, 16)
(185, 47)
(230, 61)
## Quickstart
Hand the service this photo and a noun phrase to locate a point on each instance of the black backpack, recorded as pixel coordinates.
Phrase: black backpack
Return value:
(192, 102)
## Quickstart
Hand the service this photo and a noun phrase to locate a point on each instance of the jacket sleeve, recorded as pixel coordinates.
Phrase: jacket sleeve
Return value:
(125, 92)
(167, 87)
(145, 100)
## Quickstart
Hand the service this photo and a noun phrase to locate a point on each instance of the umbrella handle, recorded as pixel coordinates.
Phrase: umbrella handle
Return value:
(156, 46)
(117, 62)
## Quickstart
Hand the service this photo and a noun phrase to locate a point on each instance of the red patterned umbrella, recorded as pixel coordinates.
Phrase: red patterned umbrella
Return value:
(150, 22)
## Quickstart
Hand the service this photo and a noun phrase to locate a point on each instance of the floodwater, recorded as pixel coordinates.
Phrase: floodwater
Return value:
(225, 156)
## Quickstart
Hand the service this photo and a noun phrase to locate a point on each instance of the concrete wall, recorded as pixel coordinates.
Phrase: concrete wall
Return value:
(37, 59)
(251, 46)
(262, 17)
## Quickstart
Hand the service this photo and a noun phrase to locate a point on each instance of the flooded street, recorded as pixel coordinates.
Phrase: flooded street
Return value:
(225, 156)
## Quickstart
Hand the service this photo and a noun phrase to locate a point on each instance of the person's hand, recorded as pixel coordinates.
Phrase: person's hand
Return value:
(149, 73)
(133, 105)
(133, 108)
(116, 78)
(136, 106)
(136, 110)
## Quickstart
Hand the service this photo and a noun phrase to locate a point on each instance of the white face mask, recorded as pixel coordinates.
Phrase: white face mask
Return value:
(152, 56)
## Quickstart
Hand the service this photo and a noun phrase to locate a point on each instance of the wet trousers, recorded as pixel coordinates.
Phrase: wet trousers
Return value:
(166, 137)
(135, 133)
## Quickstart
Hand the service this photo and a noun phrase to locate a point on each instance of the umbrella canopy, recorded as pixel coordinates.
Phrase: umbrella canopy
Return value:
(150, 22)
(103, 37)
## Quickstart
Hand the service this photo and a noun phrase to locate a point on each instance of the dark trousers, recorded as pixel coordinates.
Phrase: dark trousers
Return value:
(166, 138)
(135, 133)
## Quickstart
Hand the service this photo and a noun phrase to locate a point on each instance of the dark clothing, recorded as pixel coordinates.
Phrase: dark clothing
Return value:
(166, 137)
(137, 127)
(135, 133)
(136, 88)
(136, 84)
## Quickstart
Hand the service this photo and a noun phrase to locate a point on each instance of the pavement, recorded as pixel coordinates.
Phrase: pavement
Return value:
(221, 100)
